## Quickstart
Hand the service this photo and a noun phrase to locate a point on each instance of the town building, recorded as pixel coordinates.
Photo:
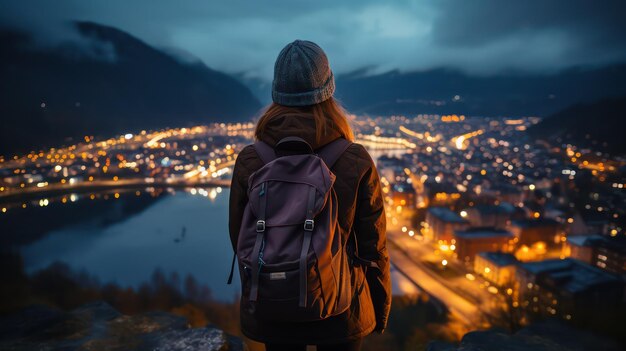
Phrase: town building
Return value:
(441, 223)
(497, 267)
(532, 231)
(608, 253)
(568, 289)
(496, 216)
(469, 242)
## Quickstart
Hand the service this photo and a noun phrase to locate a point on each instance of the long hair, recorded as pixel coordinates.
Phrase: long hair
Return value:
(327, 114)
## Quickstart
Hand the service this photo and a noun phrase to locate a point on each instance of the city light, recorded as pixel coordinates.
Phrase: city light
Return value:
(498, 190)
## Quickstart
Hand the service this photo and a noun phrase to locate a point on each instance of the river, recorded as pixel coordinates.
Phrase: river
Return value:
(124, 237)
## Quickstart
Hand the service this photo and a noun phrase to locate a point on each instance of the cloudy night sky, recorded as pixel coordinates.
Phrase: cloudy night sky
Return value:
(243, 37)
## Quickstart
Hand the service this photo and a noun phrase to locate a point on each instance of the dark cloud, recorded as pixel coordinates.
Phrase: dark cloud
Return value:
(477, 22)
(244, 37)
(581, 29)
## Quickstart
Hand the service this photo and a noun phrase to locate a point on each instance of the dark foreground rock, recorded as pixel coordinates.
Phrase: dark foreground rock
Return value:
(98, 326)
(545, 336)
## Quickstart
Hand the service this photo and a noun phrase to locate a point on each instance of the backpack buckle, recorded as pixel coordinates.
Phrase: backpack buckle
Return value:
(260, 226)
(309, 224)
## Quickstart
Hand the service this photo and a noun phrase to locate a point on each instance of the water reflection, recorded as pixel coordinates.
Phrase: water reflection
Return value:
(123, 237)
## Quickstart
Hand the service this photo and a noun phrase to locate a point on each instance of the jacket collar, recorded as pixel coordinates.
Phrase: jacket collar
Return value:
(300, 125)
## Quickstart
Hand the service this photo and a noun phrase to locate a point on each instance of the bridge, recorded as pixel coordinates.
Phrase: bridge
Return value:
(99, 185)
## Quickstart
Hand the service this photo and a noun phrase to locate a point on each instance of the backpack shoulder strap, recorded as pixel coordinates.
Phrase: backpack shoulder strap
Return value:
(265, 152)
(331, 152)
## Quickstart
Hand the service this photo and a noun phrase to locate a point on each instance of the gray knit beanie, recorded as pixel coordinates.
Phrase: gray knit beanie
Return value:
(302, 75)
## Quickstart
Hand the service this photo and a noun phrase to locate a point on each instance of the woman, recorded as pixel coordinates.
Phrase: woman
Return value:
(303, 106)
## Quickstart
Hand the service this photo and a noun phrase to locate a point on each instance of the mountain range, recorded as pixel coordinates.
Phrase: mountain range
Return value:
(595, 125)
(107, 82)
(446, 91)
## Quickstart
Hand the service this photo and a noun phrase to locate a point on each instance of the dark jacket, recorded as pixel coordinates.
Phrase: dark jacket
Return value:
(361, 208)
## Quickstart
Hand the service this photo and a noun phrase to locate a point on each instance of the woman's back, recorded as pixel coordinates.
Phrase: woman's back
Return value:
(360, 211)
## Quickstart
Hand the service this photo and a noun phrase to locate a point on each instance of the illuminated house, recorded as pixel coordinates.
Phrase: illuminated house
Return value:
(568, 289)
(441, 194)
(496, 216)
(608, 253)
(581, 248)
(468, 243)
(497, 267)
(531, 231)
(441, 223)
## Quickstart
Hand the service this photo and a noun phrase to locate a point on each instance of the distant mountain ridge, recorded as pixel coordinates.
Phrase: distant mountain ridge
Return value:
(110, 83)
(447, 91)
(598, 125)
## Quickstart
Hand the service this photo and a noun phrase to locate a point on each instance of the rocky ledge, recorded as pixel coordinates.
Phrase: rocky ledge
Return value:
(544, 336)
(98, 326)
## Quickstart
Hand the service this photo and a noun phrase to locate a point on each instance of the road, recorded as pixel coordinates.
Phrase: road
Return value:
(469, 301)
(458, 306)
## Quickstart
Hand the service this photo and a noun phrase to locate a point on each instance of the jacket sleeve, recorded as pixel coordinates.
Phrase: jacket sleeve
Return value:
(238, 199)
(370, 228)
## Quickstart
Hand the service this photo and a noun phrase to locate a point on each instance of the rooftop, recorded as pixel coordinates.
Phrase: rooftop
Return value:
(569, 274)
(446, 215)
(616, 244)
(501, 259)
(480, 233)
(502, 208)
(579, 240)
(530, 223)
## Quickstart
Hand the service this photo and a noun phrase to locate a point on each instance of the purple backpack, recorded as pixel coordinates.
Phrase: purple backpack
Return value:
(292, 260)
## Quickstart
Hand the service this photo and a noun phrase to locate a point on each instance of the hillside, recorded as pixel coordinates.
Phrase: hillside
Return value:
(107, 82)
(599, 125)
